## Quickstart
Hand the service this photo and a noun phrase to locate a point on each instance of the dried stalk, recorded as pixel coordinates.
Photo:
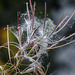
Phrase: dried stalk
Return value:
(62, 21)
(33, 11)
(65, 23)
(20, 39)
(61, 45)
(8, 41)
(28, 11)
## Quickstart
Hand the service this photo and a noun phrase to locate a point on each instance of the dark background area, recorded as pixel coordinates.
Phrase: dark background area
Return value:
(9, 8)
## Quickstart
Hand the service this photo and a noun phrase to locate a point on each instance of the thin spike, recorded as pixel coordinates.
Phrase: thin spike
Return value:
(66, 22)
(8, 41)
(56, 25)
(62, 21)
(32, 13)
(62, 45)
(31, 6)
(34, 32)
(20, 39)
(28, 11)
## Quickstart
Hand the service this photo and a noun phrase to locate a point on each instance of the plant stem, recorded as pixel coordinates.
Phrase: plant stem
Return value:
(8, 42)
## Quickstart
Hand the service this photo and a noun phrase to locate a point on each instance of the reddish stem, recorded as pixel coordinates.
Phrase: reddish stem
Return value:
(32, 13)
(28, 11)
(34, 32)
